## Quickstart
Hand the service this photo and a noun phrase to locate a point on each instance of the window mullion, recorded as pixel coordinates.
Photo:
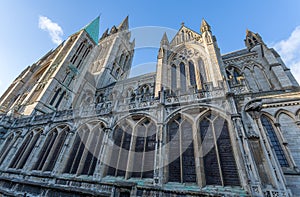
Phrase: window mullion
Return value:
(180, 153)
(217, 152)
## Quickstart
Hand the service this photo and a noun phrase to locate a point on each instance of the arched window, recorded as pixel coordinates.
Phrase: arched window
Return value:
(51, 149)
(192, 74)
(86, 52)
(274, 141)
(180, 140)
(25, 150)
(9, 142)
(202, 73)
(145, 138)
(219, 163)
(234, 76)
(182, 78)
(122, 139)
(173, 78)
(55, 96)
(85, 151)
(78, 51)
(60, 99)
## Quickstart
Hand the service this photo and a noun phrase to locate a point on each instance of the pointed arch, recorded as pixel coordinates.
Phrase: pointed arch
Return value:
(85, 150)
(25, 149)
(274, 140)
(218, 158)
(7, 145)
(261, 77)
(144, 149)
(181, 156)
(182, 77)
(51, 148)
(286, 112)
(55, 96)
(173, 78)
(290, 133)
(192, 74)
(122, 138)
(202, 73)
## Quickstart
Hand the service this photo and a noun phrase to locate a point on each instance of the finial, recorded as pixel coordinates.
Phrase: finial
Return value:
(182, 23)
(204, 26)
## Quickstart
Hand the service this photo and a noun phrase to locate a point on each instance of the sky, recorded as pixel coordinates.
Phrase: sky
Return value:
(29, 29)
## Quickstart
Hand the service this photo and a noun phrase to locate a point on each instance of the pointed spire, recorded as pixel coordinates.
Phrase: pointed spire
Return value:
(164, 40)
(93, 29)
(105, 34)
(124, 25)
(204, 26)
(133, 43)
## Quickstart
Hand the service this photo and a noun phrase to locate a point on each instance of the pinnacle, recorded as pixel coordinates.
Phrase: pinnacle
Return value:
(124, 24)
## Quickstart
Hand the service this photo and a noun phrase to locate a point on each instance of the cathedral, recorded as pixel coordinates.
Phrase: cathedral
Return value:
(203, 124)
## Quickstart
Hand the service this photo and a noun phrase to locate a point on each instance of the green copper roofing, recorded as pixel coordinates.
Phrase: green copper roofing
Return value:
(93, 29)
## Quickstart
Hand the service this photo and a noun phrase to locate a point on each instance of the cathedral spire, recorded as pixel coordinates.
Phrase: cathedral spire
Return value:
(124, 24)
(93, 29)
(204, 26)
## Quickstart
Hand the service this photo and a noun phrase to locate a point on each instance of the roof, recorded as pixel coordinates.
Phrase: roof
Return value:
(93, 29)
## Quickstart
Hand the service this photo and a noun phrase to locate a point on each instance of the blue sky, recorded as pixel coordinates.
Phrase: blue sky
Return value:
(23, 41)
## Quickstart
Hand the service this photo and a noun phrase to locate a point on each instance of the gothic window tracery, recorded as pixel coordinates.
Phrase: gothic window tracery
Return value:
(142, 151)
(269, 128)
(60, 99)
(55, 96)
(25, 149)
(51, 149)
(173, 78)
(85, 151)
(218, 158)
(181, 151)
(192, 74)
(8, 144)
(202, 73)
(86, 52)
(182, 77)
(78, 51)
(145, 138)
(120, 150)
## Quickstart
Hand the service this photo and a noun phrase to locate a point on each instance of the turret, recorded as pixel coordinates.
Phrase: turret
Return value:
(252, 39)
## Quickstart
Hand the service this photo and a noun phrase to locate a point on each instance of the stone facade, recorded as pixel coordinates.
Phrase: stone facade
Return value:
(203, 124)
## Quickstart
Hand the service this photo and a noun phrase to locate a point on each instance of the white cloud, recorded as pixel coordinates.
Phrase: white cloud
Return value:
(289, 50)
(54, 30)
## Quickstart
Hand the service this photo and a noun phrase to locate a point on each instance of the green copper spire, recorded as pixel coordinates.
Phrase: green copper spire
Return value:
(93, 29)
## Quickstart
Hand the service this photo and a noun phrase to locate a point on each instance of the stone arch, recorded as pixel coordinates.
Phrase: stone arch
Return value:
(85, 152)
(283, 111)
(130, 142)
(180, 160)
(216, 152)
(270, 116)
(290, 132)
(26, 148)
(275, 138)
(7, 145)
(261, 77)
(129, 116)
(297, 115)
(52, 147)
(193, 53)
